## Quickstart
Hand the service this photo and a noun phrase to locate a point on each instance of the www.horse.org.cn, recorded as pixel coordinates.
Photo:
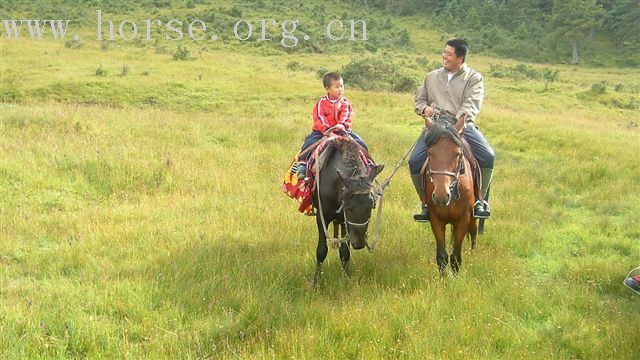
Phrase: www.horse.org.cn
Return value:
(175, 29)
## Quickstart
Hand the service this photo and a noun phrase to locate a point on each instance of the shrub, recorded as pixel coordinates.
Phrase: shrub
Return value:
(162, 3)
(527, 71)
(321, 72)
(550, 75)
(523, 71)
(293, 66)
(599, 87)
(100, 71)
(73, 44)
(235, 12)
(422, 61)
(378, 74)
(405, 83)
(10, 94)
(182, 53)
(497, 71)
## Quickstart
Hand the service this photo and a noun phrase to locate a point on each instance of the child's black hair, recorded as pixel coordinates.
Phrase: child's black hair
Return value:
(329, 77)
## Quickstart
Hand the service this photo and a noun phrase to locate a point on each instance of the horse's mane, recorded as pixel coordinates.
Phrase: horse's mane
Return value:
(443, 127)
(350, 151)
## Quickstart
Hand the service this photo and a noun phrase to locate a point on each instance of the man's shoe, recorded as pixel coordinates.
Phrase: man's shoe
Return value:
(481, 210)
(633, 282)
(423, 216)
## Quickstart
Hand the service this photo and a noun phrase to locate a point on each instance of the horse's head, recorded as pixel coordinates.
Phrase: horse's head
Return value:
(358, 200)
(444, 157)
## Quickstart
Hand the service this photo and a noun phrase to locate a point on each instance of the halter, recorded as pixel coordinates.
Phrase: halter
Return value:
(344, 213)
(455, 176)
(331, 241)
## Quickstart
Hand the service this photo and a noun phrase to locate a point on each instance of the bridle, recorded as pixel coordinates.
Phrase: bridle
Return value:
(336, 242)
(454, 175)
(344, 212)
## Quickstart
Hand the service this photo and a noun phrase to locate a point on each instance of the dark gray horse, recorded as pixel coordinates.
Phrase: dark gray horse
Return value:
(346, 198)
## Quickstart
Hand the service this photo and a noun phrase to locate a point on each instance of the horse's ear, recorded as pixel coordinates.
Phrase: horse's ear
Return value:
(375, 170)
(459, 124)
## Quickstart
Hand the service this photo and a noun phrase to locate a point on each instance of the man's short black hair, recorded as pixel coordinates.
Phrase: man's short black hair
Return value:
(330, 77)
(461, 46)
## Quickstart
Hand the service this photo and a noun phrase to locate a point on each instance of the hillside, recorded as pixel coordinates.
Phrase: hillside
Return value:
(142, 217)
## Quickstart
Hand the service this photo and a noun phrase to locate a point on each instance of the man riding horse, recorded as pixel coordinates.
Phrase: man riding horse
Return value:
(457, 89)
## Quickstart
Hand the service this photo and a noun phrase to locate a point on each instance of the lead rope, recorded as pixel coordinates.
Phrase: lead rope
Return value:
(379, 192)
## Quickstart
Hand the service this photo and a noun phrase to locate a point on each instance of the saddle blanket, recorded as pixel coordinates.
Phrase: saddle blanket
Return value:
(302, 189)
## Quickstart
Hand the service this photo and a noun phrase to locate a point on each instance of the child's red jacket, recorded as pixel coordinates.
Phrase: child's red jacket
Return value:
(330, 112)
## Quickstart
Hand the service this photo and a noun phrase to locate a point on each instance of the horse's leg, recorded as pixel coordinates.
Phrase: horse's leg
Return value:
(438, 228)
(321, 251)
(473, 231)
(460, 230)
(345, 255)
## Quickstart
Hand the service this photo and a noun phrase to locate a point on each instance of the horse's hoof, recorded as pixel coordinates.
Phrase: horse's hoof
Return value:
(345, 270)
(315, 284)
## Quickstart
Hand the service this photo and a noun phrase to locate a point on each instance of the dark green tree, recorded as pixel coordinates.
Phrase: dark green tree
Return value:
(572, 21)
(622, 20)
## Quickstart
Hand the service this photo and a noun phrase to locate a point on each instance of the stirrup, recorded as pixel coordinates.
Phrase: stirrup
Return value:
(483, 213)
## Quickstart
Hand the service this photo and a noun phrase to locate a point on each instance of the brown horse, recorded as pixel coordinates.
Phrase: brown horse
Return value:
(449, 188)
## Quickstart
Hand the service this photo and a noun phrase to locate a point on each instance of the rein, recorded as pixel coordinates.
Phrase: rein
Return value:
(379, 193)
(332, 242)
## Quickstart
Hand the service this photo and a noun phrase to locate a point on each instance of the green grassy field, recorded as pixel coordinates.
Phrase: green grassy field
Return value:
(142, 216)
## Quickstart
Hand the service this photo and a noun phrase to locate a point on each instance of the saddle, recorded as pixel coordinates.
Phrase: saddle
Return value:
(302, 189)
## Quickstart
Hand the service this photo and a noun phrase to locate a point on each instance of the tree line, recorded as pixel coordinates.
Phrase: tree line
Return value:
(538, 30)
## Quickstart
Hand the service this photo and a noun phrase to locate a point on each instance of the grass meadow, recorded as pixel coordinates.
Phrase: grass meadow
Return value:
(142, 217)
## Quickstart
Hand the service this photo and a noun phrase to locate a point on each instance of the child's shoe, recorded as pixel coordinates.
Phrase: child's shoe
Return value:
(302, 170)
